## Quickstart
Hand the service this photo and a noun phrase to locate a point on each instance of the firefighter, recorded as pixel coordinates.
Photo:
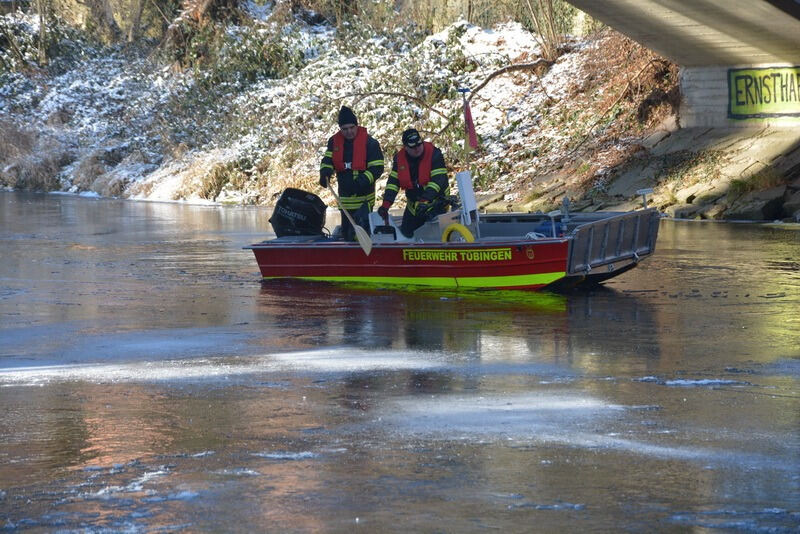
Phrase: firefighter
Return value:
(357, 159)
(418, 168)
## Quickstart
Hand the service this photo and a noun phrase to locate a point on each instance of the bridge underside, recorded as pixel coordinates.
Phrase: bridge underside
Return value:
(697, 33)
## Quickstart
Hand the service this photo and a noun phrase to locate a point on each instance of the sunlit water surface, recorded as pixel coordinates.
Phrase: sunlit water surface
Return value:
(149, 381)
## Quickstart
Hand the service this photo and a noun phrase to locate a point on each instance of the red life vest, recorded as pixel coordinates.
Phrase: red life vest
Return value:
(359, 151)
(423, 172)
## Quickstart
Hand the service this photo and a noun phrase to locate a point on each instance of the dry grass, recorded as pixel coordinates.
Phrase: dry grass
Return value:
(764, 179)
(14, 141)
(88, 170)
(30, 162)
(622, 93)
(637, 80)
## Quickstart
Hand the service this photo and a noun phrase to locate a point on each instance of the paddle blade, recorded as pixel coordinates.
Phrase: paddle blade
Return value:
(363, 239)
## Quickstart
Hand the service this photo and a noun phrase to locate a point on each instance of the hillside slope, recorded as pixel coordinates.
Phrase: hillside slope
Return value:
(115, 122)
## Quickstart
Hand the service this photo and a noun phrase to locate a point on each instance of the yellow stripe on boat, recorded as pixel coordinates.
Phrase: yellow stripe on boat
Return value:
(518, 280)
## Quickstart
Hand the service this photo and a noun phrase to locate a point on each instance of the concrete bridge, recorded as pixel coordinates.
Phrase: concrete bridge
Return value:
(740, 59)
(740, 99)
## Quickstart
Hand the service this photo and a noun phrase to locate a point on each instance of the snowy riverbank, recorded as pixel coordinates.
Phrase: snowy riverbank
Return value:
(122, 123)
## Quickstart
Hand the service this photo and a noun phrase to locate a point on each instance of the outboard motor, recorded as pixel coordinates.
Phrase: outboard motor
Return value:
(298, 212)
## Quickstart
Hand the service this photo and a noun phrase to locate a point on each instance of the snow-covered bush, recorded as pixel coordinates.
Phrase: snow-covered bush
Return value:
(247, 110)
(250, 54)
(19, 44)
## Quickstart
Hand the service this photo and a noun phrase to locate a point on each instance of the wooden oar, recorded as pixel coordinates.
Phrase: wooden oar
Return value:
(361, 235)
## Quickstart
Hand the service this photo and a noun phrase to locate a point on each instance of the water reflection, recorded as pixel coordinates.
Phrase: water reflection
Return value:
(149, 381)
(497, 326)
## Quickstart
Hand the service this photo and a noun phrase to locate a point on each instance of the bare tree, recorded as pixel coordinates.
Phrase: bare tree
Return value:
(102, 16)
(137, 8)
(544, 22)
(42, 33)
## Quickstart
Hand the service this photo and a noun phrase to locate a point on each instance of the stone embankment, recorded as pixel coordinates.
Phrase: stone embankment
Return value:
(755, 175)
(696, 173)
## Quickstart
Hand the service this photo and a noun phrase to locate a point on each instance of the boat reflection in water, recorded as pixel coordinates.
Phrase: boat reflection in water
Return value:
(458, 327)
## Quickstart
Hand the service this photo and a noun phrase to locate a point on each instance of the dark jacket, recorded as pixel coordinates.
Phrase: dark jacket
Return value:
(355, 187)
(436, 187)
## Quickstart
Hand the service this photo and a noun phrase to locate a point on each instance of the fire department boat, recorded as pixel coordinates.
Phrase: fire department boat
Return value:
(467, 249)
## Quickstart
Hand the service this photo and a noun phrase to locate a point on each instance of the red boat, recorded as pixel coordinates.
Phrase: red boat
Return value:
(465, 249)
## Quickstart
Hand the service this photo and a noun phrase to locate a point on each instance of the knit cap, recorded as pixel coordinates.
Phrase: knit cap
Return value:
(346, 116)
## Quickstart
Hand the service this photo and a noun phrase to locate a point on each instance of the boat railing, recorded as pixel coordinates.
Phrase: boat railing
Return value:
(626, 238)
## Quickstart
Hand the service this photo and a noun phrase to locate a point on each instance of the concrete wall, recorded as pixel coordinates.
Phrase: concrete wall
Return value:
(705, 100)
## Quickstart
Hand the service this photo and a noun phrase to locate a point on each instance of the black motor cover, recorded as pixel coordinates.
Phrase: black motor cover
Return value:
(298, 212)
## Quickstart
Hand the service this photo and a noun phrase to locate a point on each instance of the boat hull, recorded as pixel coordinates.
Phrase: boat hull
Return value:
(510, 253)
(521, 264)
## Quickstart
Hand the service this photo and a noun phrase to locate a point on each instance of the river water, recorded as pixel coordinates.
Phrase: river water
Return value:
(150, 382)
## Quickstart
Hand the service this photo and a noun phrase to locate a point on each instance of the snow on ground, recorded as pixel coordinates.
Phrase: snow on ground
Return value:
(113, 111)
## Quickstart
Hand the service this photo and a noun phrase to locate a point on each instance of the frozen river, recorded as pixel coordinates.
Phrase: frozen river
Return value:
(150, 382)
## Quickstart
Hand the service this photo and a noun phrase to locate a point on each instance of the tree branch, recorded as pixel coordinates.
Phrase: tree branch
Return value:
(498, 72)
(510, 68)
(612, 106)
(450, 120)
(418, 100)
(158, 8)
(13, 45)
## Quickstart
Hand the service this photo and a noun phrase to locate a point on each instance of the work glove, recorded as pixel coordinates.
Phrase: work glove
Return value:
(324, 176)
(426, 209)
(384, 213)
